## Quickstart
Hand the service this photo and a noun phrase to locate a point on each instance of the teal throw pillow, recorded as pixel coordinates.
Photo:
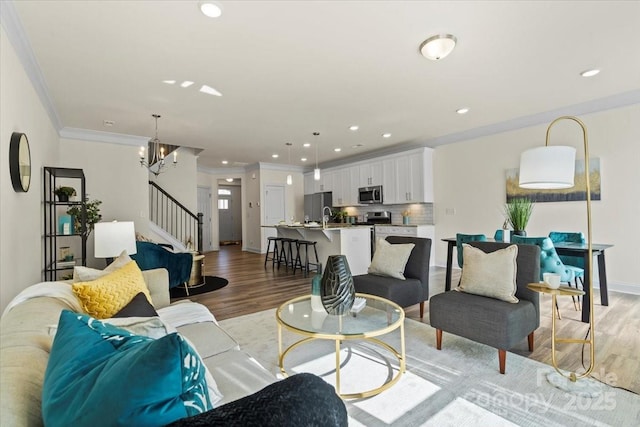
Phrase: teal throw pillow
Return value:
(101, 375)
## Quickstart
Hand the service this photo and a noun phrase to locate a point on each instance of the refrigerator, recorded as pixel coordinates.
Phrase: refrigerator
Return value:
(313, 204)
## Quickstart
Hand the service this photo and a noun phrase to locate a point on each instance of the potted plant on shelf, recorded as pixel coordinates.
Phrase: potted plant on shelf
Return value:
(63, 193)
(92, 212)
(341, 215)
(518, 211)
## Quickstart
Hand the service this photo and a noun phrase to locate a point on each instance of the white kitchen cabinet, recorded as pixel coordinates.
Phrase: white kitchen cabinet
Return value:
(390, 194)
(343, 191)
(408, 177)
(370, 173)
(311, 186)
(326, 180)
(428, 231)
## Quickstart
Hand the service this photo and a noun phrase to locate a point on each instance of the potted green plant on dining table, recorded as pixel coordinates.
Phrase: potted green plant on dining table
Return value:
(518, 212)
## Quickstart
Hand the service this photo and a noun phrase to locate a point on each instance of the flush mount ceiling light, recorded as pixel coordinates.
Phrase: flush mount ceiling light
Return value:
(210, 9)
(229, 179)
(590, 73)
(438, 46)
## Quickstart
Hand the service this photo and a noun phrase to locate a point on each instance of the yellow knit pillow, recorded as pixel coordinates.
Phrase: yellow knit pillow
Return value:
(105, 296)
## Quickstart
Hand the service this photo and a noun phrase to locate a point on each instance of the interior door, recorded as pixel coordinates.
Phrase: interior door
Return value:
(229, 214)
(204, 207)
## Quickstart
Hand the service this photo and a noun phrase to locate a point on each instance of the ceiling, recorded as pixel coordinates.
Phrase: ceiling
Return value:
(289, 68)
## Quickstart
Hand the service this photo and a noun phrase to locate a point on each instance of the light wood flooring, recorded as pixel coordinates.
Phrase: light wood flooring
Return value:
(253, 288)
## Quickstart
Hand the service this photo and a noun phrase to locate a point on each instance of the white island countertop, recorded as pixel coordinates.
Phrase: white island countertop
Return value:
(354, 241)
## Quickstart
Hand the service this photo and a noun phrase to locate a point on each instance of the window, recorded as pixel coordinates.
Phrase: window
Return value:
(224, 192)
(223, 204)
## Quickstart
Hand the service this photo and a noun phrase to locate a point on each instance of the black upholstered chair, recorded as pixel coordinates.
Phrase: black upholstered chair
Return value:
(413, 290)
(491, 321)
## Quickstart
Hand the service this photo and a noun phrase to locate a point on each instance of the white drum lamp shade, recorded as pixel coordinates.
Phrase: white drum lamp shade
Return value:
(112, 238)
(550, 167)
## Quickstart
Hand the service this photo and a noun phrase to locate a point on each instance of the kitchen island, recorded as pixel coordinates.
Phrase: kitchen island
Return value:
(354, 241)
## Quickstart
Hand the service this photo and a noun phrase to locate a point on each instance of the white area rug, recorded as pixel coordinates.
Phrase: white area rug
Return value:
(457, 386)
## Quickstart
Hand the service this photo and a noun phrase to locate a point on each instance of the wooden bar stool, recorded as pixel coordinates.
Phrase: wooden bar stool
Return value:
(274, 255)
(298, 262)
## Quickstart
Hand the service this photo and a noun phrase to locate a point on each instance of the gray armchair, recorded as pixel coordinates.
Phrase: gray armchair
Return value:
(490, 321)
(413, 290)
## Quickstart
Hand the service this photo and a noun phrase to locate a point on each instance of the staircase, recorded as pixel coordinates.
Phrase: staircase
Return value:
(177, 224)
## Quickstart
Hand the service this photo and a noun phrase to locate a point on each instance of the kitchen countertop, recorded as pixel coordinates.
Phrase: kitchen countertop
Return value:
(330, 226)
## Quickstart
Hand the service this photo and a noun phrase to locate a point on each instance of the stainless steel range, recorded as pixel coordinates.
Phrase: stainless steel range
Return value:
(373, 218)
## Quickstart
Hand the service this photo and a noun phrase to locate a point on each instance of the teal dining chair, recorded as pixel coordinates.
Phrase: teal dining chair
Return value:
(550, 261)
(574, 262)
(466, 238)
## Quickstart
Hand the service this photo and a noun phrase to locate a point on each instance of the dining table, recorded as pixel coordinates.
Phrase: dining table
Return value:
(562, 248)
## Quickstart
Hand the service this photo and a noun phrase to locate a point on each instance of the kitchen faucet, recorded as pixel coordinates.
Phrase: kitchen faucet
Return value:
(325, 218)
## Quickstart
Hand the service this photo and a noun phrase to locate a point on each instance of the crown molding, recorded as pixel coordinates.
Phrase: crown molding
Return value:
(222, 171)
(99, 136)
(18, 37)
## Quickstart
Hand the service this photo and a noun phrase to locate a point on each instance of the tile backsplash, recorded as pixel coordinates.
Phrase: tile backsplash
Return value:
(420, 213)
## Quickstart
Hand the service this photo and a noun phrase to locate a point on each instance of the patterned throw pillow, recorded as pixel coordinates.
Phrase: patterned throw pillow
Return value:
(104, 297)
(390, 259)
(99, 374)
(490, 275)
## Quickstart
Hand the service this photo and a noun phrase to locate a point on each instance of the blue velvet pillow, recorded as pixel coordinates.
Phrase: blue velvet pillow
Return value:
(99, 374)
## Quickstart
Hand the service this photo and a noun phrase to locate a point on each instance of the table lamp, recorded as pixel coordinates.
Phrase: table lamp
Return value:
(111, 238)
(553, 167)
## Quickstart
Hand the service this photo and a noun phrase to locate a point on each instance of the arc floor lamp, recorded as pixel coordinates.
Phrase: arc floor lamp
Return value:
(553, 167)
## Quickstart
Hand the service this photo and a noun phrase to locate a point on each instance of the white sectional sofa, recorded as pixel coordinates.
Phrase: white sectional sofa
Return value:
(26, 340)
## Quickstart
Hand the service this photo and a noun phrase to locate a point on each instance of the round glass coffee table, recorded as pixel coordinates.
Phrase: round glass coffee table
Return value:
(379, 317)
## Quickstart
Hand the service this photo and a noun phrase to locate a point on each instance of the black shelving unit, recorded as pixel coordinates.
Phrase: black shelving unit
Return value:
(53, 238)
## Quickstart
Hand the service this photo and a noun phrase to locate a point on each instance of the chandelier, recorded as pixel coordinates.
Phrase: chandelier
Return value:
(156, 163)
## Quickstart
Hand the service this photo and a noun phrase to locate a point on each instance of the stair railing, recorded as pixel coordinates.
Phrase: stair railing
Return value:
(174, 218)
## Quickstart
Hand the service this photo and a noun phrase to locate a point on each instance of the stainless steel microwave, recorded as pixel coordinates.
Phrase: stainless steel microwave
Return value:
(370, 195)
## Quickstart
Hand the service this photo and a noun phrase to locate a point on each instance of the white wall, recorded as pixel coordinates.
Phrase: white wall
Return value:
(21, 214)
(470, 178)
(114, 176)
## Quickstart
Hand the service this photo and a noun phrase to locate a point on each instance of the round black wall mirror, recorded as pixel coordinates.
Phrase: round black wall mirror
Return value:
(20, 162)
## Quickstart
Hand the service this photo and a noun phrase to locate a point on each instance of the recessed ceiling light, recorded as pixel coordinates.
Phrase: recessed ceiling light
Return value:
(354, 127)
(356, 146)
(210, 9)
(438, 46)
(464, 110)
(306, 145)
(186, 83)
(304, 159)
(224, 162)
(337, 150)
(209, 90)
(590, 73)
(169, 82)
(275, 156)
(229, 179)
(108, 123)
(386, 135)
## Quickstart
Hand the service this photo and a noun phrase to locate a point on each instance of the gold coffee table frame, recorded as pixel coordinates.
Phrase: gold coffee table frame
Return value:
(338, 337)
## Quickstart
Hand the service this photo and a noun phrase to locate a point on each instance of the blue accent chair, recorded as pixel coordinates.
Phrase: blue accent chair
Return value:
(466, 238)
(550, 261)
